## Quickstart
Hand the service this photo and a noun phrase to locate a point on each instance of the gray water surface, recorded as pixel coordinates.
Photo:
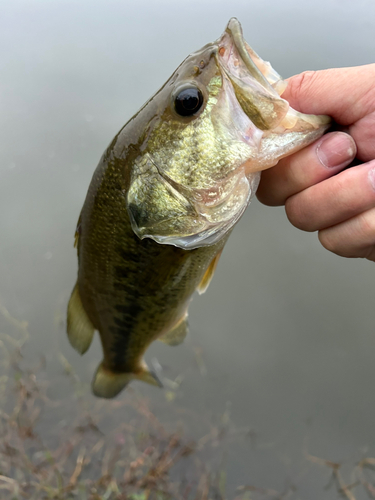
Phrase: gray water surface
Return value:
(286, 333)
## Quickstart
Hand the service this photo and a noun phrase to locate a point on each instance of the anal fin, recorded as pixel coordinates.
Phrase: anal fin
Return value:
(208, 275)
(79, 327)
(178, 333)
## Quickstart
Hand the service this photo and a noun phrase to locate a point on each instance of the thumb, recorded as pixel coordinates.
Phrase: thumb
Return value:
(346, 94)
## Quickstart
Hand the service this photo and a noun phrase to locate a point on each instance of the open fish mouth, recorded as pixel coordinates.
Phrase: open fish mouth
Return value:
(258, 99)
(262, 71)
(257, 86)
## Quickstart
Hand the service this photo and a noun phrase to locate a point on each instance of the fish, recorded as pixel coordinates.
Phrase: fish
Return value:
(165, 197)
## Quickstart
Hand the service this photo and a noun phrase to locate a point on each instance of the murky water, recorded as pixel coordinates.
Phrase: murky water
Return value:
(285, 336)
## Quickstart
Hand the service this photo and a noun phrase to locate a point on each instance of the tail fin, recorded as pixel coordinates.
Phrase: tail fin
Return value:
(79, 327)
(107, 384)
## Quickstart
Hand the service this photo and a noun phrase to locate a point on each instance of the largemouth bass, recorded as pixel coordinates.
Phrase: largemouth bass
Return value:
(165, 197)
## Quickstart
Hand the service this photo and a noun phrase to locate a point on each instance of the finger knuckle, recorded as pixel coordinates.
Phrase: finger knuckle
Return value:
(370, 255)
(366, 222)
(297, 214)
(331, 242)
(354, 241)
(270, 190)
(301, 84)
(328, 242)
(269, 199)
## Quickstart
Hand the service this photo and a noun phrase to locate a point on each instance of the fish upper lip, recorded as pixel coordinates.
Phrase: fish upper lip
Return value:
(234, 30)
(248, 75)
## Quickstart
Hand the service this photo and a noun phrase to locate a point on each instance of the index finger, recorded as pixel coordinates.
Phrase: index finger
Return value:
(346, 94)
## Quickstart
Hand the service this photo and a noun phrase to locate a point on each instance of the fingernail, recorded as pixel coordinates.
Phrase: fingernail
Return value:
(336, 149)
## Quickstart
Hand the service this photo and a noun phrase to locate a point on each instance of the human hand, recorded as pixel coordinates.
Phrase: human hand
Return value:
(319, 195)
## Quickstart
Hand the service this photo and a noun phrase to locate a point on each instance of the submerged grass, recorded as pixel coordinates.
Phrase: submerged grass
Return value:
(80, 448)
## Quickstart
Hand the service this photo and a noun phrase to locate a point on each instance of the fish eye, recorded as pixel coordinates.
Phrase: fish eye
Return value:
(188, 101)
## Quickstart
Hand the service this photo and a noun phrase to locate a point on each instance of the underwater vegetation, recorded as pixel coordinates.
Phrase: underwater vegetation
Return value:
(78, 447)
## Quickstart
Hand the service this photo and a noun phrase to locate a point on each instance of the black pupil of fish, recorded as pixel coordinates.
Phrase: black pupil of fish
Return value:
(188, 101)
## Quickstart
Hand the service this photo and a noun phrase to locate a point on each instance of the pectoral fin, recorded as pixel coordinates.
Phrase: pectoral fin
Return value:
(178, 333)
(79, 327)
(107, 384)
(208, 275)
